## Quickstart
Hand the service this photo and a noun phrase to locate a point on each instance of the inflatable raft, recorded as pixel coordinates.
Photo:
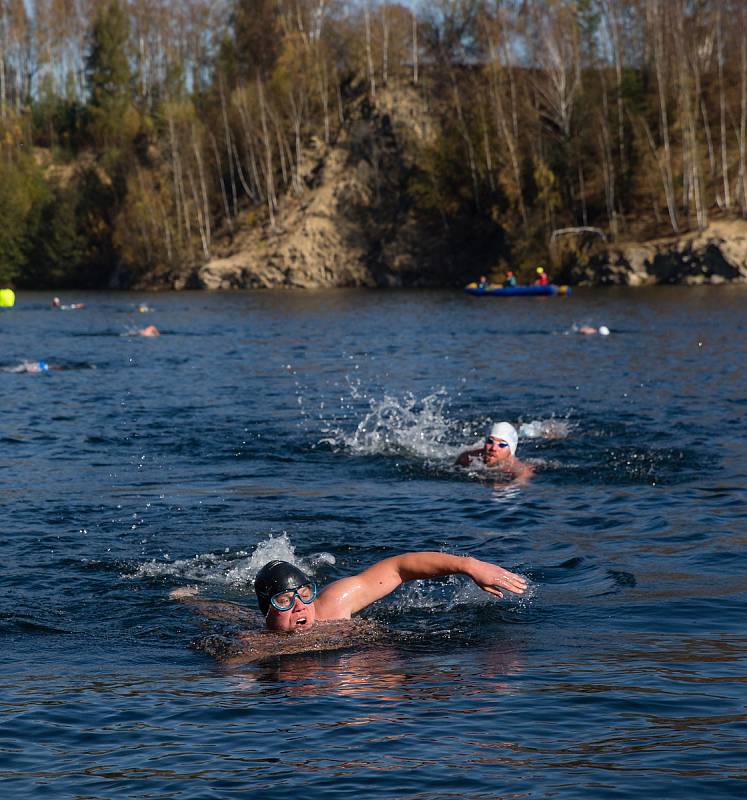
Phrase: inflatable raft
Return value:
(516, 291)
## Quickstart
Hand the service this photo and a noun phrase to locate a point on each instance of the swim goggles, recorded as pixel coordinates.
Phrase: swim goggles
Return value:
(283, 601)
(490, 440)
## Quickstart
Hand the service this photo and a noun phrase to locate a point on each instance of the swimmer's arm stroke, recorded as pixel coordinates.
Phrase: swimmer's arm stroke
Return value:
(350, 595)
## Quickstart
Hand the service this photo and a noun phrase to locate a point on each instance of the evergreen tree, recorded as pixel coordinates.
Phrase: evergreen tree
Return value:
(59, 247)
(109, 75)
(257, 37)
(23, 194)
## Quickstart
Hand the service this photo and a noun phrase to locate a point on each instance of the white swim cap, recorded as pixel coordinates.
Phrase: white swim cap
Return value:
(507, 432)
(604, 330)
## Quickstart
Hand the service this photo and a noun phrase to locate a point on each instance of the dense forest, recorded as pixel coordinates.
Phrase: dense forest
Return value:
(136, 134)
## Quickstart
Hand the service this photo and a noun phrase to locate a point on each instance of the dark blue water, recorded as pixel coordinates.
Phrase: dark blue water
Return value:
(322, 427)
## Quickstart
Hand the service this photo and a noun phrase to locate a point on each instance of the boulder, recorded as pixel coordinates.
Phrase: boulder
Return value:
(717, 254)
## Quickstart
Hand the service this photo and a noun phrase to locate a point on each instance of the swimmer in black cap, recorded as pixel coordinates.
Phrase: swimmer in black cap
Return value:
(290, 602)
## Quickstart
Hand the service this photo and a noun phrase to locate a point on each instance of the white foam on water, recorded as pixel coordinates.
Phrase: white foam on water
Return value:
(454, 591)
(402, 426)
(551, 428)
(234, 569)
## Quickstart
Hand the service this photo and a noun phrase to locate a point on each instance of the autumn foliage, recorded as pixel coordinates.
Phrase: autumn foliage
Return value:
(136, 134)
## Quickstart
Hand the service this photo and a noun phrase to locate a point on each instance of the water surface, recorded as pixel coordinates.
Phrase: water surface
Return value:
(322, 427)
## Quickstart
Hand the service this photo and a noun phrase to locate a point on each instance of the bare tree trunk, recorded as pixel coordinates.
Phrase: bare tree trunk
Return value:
(465, 135)
(249, 146)
(384, 46)
(709, 138)
(608, 166)
(582, 192)
(369, 53)
(338, 92)
(229, 148)
(296, 115)
(614, 28)
(691, 157)
(284, 171)
(198, 214)
(414, 49)
(742, 184)
(143, 230)
(3, 51)
(269, 177)
(508, 66)
(143, 68)
(486, 148)
(207, 238)
(502, 124)
(722, 108)
(223, 194)
(659, 163)
(659, 66)
(166, 231)
(324, 94)
(177, 178)
(250, 193)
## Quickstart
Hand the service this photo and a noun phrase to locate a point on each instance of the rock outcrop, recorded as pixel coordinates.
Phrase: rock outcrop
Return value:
(352, 224)
(717, 254)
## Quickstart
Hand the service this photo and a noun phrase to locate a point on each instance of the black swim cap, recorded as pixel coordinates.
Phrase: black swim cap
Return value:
(277, 576)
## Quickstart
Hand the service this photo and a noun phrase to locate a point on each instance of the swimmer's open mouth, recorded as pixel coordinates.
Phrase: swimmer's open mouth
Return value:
(301, 622)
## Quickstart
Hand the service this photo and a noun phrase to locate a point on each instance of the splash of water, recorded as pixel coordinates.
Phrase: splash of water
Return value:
(551, 428)
(402, 426)
(235, 570)
(451, 593)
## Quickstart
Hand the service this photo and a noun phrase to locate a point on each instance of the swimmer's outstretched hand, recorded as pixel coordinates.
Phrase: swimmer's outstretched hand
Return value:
(491, 578)
(183, 591)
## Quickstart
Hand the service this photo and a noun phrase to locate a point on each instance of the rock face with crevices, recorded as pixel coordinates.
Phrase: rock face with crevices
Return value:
(717, 254)
(353, 223)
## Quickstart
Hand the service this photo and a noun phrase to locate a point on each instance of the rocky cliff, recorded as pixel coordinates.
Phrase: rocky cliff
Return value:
(356, 222)
(717, 254)
(353, 223)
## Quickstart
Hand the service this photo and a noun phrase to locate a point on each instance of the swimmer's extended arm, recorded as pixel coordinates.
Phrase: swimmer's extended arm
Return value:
(349, 595)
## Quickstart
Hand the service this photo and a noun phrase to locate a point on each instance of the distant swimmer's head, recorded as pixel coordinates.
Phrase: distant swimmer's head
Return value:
(149, 330)
(43, 366)
(501, 441)
(540, 270)
(285, 595)
(604, 330)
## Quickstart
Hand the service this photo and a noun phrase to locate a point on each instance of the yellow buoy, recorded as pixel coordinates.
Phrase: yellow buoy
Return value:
(7, 298)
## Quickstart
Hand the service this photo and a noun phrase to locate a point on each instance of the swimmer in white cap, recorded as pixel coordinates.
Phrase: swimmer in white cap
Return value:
(499, 452)
(589, 330)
